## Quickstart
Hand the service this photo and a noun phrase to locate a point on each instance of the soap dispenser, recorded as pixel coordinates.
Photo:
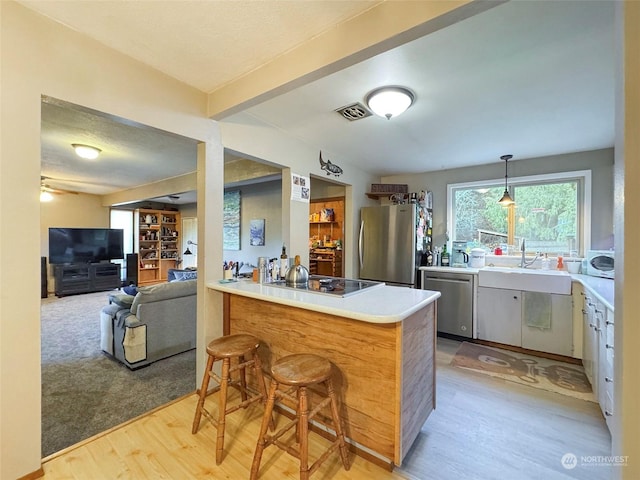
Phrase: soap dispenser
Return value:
(546, 263)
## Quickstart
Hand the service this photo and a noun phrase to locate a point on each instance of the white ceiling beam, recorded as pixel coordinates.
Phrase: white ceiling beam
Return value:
(381, 28)
(169, 186)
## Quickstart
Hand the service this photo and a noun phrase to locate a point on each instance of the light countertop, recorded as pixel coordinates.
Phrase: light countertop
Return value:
(602, 288)
(379, 304)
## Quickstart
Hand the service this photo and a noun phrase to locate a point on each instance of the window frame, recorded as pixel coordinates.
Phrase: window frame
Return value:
(583, 178)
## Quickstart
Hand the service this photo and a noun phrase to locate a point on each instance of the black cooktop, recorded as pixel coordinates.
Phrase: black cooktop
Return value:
(340, 287)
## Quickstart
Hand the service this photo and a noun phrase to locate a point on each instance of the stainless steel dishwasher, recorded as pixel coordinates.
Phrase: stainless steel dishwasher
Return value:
(455, 305)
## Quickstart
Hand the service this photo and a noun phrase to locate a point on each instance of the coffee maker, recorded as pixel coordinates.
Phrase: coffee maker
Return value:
(459, 257)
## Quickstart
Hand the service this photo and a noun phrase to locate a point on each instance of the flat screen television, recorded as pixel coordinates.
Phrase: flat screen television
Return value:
(85, 245)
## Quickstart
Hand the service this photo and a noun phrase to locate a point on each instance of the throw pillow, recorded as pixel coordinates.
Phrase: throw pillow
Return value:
(130, 290)
(123, 300)
(185, 275)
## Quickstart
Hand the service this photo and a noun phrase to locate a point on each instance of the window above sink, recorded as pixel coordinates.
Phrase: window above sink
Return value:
(551, 212)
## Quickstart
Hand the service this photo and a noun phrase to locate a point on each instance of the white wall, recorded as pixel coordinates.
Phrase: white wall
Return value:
(41, 57)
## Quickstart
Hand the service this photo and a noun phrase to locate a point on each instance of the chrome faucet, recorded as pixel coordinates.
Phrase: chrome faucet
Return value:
(523, 261)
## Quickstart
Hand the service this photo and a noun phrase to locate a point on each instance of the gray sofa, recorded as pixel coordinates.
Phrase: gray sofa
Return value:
(158, 322)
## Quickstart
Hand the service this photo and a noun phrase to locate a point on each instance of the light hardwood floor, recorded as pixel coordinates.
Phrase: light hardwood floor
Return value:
(482, 428)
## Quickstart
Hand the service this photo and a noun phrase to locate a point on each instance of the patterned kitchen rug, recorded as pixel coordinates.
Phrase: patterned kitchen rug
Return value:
(552, 375)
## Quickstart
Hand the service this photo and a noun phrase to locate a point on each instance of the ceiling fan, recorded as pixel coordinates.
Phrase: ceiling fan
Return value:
(46, 190)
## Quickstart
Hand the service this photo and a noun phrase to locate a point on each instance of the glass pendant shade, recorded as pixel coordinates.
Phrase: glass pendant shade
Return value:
(390, 102)
(506, 199)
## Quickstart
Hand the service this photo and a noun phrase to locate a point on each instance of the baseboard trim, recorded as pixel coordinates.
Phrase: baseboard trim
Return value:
(30, 476)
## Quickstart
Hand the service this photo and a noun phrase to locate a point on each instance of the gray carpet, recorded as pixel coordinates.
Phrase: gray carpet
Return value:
(84, 391)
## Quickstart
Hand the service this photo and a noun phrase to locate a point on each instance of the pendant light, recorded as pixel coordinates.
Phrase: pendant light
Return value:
(506, 199)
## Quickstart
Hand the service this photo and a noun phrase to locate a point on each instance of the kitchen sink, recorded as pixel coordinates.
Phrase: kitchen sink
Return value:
(525, 279)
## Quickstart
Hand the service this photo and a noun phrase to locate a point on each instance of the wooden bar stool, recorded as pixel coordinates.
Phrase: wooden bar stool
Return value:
(299, 372)
(227, 348)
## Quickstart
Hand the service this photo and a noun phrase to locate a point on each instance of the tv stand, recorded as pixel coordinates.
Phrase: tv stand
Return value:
(86, 278)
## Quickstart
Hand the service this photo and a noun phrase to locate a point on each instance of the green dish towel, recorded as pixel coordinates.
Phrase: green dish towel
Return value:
(537, 309)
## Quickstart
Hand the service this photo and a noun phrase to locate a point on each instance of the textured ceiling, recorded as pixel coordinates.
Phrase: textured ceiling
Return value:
(205, 44)
(525, 78)
(529, 78)
(132, 154)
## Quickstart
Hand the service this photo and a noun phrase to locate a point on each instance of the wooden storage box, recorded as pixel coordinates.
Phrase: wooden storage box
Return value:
(389, 188)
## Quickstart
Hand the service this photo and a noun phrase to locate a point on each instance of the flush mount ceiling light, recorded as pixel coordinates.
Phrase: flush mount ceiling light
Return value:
(506, 199)
(390, 101)
(86, 151)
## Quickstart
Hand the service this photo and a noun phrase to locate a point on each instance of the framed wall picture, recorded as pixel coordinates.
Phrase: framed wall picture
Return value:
(256, 232)
(231, 220)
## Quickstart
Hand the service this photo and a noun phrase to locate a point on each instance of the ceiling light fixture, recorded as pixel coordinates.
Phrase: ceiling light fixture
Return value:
(86, 151)
(45, 196)
(390, 101)
(506, 199)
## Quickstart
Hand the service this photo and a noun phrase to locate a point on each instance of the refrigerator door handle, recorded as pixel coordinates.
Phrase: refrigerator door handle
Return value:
(360, 252)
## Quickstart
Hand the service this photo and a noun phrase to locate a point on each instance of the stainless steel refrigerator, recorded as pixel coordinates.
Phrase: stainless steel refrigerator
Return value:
(387, 244)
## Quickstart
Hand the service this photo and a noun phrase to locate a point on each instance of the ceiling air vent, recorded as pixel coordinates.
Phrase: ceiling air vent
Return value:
(354, 111)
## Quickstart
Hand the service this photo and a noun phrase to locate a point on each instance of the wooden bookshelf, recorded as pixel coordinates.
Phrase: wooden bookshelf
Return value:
(157, 244)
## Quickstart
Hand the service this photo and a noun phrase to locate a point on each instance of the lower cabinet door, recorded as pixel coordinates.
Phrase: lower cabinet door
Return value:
(500, 315)
(557, 335)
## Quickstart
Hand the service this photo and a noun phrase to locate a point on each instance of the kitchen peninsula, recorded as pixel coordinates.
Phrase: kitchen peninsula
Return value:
(381, 341)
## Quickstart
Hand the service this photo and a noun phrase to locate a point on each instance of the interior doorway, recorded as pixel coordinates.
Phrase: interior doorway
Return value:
(85, 392)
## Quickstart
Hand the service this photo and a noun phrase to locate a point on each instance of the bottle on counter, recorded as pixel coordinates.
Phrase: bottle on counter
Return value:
(546, 263)
(429, 258)
(444, 257)
(284, 262)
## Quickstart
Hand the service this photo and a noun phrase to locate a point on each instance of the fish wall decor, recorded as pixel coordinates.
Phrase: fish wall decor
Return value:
(330, 168)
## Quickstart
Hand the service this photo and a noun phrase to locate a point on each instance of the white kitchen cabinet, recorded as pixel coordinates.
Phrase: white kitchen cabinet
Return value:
(590, 344)
(559, 338)
(598, 353)
(502, 318)
(500, 315)
(605, 362)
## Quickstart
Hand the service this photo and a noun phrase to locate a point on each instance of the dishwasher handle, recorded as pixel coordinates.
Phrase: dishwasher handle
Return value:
(447, 280)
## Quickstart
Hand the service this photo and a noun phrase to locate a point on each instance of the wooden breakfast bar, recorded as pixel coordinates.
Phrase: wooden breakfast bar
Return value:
(381, 341)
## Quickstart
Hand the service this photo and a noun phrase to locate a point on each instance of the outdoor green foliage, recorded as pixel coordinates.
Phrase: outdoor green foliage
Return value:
(546, 215)
(547, 212)
(477, 209)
